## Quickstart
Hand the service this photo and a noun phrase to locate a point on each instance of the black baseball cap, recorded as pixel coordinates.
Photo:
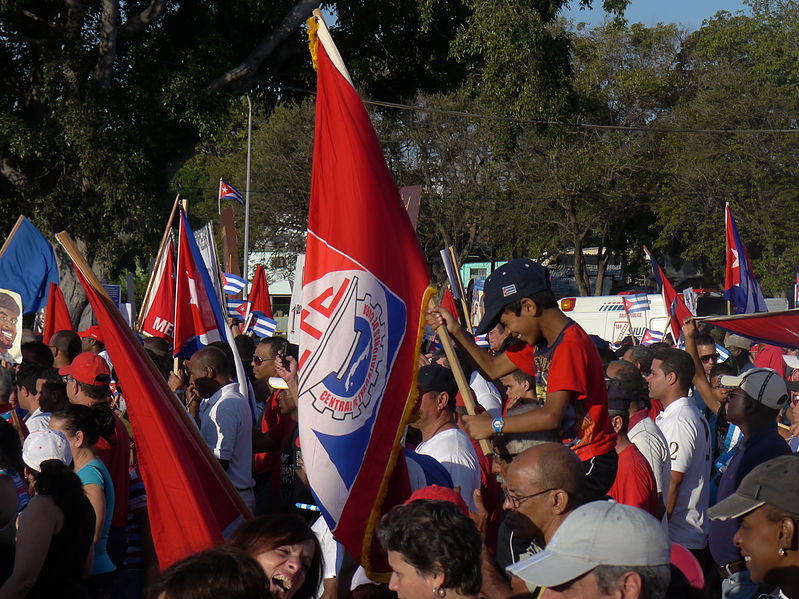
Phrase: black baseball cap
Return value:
(437, 378)
(510, 282)
(775, 483)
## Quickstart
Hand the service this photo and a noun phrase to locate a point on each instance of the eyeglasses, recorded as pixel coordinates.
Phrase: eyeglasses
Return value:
(794, 400)
(258, 360)
(66, 378)
(516, 502)
(503, 455)
(709, 358)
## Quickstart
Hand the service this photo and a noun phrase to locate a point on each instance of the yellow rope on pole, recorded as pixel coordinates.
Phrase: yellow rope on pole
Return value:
(313, 40)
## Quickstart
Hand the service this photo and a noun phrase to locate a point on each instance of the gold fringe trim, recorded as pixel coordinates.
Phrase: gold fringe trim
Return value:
(410, 404)
(313, 41)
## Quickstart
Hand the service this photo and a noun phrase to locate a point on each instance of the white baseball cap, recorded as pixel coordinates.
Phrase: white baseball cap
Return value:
(45, 444)
(764, 385)
(598, 533)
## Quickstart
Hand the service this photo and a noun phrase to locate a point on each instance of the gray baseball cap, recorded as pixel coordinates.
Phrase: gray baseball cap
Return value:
(764, 385)
(598, 533)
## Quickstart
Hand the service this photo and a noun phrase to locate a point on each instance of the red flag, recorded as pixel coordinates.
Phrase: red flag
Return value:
(259, 300)
(774, 328)
(159, 314)
(448, 302)
(56, 314)
(365, 293)
(195, 323)
(190, 500)
(672, 302)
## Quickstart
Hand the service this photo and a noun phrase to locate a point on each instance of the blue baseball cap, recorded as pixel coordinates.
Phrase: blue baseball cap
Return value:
(510, 282)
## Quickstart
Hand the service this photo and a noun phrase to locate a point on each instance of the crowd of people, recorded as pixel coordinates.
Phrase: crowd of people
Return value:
(637, 472)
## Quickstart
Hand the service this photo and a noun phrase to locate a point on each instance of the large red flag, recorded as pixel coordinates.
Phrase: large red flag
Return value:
(159, 314)
(365, 291)
(190, 500)
(774, 328)
(56, 314)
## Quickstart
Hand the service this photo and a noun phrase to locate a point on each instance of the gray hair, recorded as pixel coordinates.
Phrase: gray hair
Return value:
(516, 443)
(654, 579)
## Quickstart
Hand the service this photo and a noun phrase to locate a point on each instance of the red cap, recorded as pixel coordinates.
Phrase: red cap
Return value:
(440, 494)
(685, 562)
(93, 332)
(89, 369)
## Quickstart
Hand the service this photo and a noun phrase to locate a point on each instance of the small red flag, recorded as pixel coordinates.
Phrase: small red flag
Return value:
(448, 302)
(56, 314)
(159, 315)
(259, 300)
(190, 500)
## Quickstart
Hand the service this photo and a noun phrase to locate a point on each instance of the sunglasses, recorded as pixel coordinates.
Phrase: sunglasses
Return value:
(709, 358)
(258, 360)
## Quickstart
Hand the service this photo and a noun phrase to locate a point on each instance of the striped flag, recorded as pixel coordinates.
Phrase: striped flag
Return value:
(481, 341)
(233, 283)
(261, 324)
(651, 336)
(233, 307)
(228, 192)
(637, 302)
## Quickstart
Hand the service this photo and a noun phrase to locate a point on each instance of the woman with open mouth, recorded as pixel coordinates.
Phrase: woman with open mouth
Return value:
(287, 550)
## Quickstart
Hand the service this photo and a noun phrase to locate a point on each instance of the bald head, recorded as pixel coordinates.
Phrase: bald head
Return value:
(551, 466)
(65, 346)
(212, 357)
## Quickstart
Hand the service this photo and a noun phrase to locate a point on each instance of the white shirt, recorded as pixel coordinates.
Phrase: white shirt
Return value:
(332, 553)
(649, 440)
(453, 450)
(486, 394)
(226, 426)
(689, 446)
(37, 420)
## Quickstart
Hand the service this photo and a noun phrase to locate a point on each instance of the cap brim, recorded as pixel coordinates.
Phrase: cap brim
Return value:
(277, 383)
(547, 569)
(488, 322)
(732, 507)
(65, 370)
(730, 382)
(791, 361)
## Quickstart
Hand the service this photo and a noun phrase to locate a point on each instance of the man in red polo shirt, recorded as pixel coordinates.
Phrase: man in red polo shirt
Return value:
(567, 364)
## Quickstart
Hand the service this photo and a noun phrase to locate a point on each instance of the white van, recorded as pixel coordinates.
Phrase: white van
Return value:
(604, 315)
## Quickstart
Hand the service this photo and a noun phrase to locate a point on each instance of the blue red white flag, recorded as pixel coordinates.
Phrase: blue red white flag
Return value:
(651, 336)
(233, 284)
(678, 311)
(233, 307)
(27, 265)
(636, 302)
(261, 325)
(482, 341)
(741, 288)
(362, 317)
(228, 192)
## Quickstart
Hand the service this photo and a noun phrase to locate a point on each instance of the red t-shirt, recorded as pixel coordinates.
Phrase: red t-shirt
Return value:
(523, 356)
(635, 482)
(279, 428)
(116, 457)
(572, 363)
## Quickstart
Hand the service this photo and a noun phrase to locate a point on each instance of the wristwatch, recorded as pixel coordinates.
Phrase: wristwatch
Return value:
(498, 424)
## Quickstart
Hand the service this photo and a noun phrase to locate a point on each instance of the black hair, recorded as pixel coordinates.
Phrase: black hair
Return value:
(520, 376)
(220, 573)
(40, 353)
(625, 419)
(642, 355)
(433, 536)
(545, 300)
(52, 397)
(67, 342)
(629, 378)
(723, 368)
(229, 366)
(93, 422)
(57, 480)
(679, 362)
(705, 339)
(269, 532)
(28, 374)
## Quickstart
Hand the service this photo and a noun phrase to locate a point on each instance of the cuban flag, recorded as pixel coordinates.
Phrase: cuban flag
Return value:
(261, 324)
(637, 302)
(482, 341)
(651, 336)
(233, 307)
(233, 284)
(228, 192)
(362, 318)
(741, 288)
(678, 311)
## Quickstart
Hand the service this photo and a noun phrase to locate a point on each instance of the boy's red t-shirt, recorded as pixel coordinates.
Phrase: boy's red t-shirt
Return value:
(572, 363)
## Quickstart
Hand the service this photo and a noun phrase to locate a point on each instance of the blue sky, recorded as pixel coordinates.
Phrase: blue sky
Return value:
(688, 13)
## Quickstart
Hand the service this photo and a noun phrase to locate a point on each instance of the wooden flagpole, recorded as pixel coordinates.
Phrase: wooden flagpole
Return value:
(632, 332)
(461, 292)
(11, 235)
(158, 257)
(460, 377)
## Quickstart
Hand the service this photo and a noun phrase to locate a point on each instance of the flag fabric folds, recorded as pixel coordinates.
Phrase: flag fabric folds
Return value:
(362, 316)
(158, 319)
(228, 192)
(233, 307)
(56, 315)
(28, 265)
(448, 302)
(636, 302)
(741, 288)
(233, 283)
(259, 300)
(651, 336)
(190, 500)
(262, 325)
(678, 311)
(773, 328)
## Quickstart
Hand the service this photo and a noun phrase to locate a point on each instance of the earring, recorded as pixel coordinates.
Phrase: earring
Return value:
(439, 592)
(781, 552)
